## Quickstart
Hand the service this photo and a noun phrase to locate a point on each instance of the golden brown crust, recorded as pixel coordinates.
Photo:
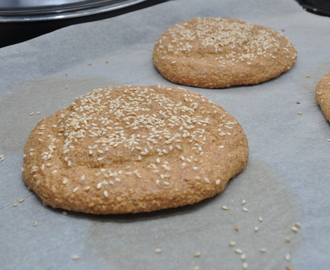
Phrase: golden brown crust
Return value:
(130, 149)
(323, 95)
(217, 53)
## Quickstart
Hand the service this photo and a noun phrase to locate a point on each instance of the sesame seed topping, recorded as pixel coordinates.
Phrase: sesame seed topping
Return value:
(245, 209)
(106, 193)
(34, 224)
(224, 207)
(75, 257)
(262, 250)
(232, 243)
(261, 219)
(244, 265)
(21, 200)
(238, 251)
(65, 180)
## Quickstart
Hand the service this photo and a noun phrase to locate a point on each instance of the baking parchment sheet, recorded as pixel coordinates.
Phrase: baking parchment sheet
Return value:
(285, 181)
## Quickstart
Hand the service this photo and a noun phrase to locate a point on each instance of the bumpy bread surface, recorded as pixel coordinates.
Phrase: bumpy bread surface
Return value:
(323, 95)
(131, 149)
(218, 53)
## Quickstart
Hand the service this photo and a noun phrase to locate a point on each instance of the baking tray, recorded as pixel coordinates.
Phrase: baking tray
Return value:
(321, 7)
(44, 10)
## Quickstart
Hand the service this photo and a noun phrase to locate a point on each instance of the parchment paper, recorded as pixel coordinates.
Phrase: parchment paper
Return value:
(285, 181)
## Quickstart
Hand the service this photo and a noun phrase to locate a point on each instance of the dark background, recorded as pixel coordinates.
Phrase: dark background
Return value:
(12, 33)
(15, 32)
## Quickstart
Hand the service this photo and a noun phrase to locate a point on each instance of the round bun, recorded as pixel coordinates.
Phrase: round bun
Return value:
(323, 95)
(218, 53)
(131, 149)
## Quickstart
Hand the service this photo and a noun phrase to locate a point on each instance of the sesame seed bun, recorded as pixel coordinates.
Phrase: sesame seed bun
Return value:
(131, 149)
(323, 95)
(218, 53)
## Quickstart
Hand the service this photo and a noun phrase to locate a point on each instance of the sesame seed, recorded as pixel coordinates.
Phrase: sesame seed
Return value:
(15, 204)
(294, 228)
(261, 219)
(65, 180)
(75, 257)
(244, 265)
(236, 228)
(243, 202)
(243, 256)
(75, 189)
(245, 209)
(289, 268)
(297, 224)
(217, 182)
(238, 251)
(158, 250)
(64, 213)
(262, 250)
(106, 193)
(256, 229)
(224, 207)
(232, 243)
(300, 113)
(287, 257)
(34, 224)
(197, 254)
(21, 200)
(288, 239)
